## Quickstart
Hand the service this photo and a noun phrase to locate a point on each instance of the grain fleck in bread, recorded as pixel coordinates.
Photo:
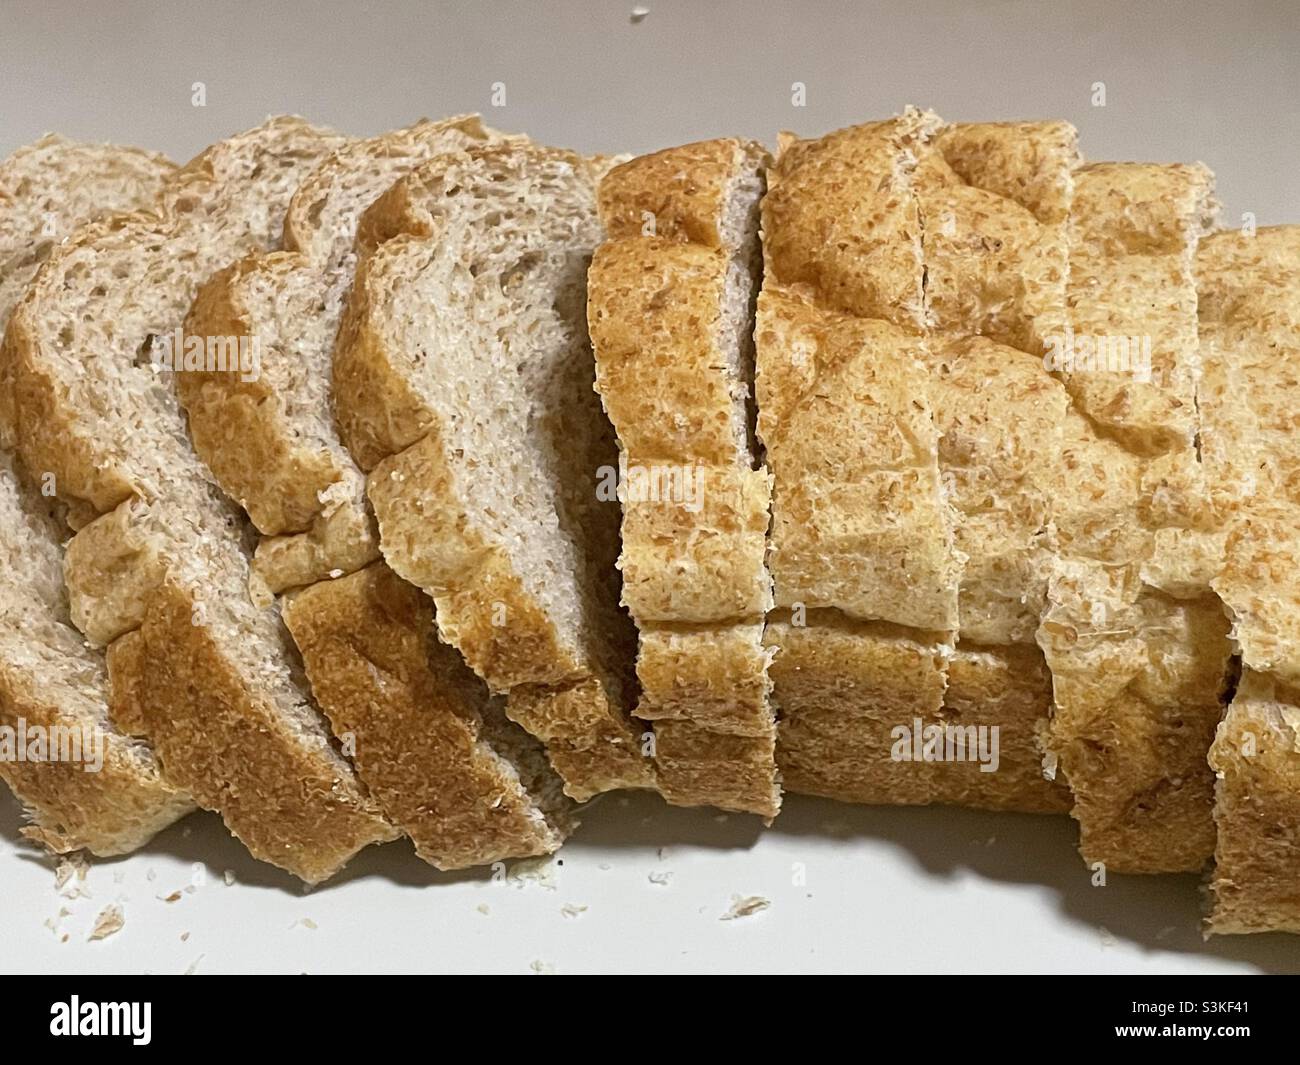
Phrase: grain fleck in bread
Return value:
(463, 385)
(213, 679)
(49, 677)
(1136, 642)
(671, 317)
(1249, 306)
(429, 745)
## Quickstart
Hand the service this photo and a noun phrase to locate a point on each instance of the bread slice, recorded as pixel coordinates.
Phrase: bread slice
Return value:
(1249, 306)
(994, 201)
(426, 740)
(671, 319)
(109, 798)
(1136, 642)
(160, 574)
(463, 383)
(865, 567)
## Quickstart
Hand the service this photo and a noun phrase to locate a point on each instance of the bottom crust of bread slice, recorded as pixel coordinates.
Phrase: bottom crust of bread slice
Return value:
(463, 382)
(84, 784)
(670, 307)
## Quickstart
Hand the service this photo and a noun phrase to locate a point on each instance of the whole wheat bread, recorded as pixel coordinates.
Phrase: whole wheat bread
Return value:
(670, 308)
(1249, 308)
(426, 740)
(160, 570)
(110, 798)
(1136, 641)
(463, 383)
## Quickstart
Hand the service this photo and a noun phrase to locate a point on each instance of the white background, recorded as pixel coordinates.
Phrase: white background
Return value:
(884, 889)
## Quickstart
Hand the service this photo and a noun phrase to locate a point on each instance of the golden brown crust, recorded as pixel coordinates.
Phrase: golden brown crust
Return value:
(411, 717)
(693, 567)
(1137, 646)
(1249, 295)
(237, 754)
(109, 810)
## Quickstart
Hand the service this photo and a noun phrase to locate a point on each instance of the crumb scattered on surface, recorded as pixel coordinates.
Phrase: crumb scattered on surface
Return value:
(721, 819)
(543, 968)
(638, 14)
(194, 965)
(184, 936)
(540, 871)
(745, 906)
(1107, 938)
(570, 910)
(228, 876)
(306, 922)
(482, 908)
(662, 877)
(109, 922)
(175, 896)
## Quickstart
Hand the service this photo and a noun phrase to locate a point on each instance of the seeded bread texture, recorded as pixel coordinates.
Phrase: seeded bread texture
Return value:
(463, 384)
(671, 318)
(1249, 307)
(431, 748)
(214, 681)
(108, 797)
(1136, 641)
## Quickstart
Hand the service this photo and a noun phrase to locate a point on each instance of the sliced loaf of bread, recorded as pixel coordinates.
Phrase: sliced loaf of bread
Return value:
(159, 570)
(427, 741)
(1136, 641)
(1249, 307)
(463, 384)
(670, 308)
(83, 783)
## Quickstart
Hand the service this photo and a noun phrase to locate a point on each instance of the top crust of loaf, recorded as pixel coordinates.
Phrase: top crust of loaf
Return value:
(679, 193)
(840, 220)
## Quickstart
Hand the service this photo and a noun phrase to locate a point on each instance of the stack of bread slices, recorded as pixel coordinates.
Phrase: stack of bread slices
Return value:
(431, 483)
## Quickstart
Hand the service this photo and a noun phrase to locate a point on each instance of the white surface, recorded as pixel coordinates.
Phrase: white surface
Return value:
(893, 890)
(923, 890)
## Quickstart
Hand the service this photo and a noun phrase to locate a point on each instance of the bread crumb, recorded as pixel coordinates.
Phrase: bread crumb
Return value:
(1107, 938)
(109, 922)
(482, 908)
(540, 871)
(638, 14)
(184, 936)
(228, 876)
(745, 906)
(721, 819)
(543, 968)
(175, 896)
(306, 922)
(661, 877)
(570, 910)
(194, 965)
